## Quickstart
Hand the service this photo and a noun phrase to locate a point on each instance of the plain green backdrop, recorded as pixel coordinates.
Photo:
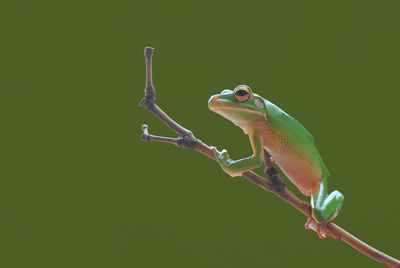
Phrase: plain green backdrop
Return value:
(79, 189)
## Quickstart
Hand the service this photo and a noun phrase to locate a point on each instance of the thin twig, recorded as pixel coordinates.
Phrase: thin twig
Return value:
(273, 183)
(147, 137)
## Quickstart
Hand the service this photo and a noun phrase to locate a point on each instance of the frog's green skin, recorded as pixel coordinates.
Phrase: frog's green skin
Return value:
(286, 140)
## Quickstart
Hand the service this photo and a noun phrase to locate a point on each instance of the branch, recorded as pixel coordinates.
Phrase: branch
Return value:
(273, 183)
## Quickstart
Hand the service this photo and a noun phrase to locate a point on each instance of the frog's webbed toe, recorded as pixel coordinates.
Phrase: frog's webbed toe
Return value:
(320, 228)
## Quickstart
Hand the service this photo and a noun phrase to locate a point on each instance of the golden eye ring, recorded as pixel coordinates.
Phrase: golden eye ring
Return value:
(242, 93)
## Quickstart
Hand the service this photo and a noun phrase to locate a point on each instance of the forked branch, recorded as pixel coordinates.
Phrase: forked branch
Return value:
(273, 183)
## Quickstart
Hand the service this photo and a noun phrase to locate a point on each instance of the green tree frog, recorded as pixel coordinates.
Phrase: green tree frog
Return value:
(289, 144)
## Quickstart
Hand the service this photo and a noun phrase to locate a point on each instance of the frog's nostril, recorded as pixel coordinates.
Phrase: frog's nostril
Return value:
(213, 99)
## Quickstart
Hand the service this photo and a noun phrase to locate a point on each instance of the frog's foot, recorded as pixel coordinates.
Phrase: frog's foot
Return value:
(222, 156)
(224, 161)
(320, 228)
(309, 221)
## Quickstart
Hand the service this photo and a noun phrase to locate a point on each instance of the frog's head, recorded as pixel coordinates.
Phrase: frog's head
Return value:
(240, 105)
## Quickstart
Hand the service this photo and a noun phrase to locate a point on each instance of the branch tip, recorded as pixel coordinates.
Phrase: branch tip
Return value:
(145, 127)
(150, 95)
(148, 52)
(145, 135)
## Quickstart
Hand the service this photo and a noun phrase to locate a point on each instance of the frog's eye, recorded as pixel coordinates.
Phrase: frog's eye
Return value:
(242, 93)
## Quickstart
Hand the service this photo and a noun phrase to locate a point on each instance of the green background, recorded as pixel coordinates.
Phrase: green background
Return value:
(79, 189)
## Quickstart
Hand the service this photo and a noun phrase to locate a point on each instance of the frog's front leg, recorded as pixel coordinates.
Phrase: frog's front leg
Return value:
(237, 167)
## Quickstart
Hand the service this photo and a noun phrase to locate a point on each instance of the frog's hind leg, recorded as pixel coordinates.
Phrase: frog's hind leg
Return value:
(325, 207)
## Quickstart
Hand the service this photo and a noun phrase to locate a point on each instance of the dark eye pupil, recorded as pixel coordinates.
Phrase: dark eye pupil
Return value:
(241, 92)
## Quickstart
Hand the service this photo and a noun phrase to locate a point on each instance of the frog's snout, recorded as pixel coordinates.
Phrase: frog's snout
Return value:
(212, 100)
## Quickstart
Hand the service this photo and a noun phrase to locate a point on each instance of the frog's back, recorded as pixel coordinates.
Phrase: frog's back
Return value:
(293, 149)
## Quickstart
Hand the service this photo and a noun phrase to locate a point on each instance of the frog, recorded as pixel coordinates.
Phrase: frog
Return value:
(288, 143)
